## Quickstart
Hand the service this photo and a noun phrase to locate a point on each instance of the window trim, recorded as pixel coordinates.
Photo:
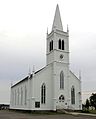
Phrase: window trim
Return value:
(61, 80)
(73, 95)
(62, 44)
(43, 94)
(59, 44)
(61, 98)
(25, 95)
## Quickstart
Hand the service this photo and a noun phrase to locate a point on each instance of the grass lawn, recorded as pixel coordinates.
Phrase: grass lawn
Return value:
(89, 111)
(92, 111)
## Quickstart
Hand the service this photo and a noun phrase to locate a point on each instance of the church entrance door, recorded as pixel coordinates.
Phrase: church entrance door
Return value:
(61, 104)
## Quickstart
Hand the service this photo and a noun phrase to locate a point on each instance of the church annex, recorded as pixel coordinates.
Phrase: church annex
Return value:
(54, 86)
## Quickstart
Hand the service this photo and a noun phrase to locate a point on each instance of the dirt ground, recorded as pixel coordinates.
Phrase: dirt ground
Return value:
(5, 114)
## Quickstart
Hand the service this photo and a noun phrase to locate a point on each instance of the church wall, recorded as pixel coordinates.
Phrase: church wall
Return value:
(65, 58)
(74, 81)
(16, 102)
(50, 57)
(61, 67)
(44, 76)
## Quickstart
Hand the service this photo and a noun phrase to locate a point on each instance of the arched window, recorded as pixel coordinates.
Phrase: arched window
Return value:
(21, 96)
(25, 95)
(61, 98)
(43, 94)
(18, 96)
(61, 80)
(59, 44)
(52, 45)
(62, 44)
(15, 97)
(72, 95)
(12, 97)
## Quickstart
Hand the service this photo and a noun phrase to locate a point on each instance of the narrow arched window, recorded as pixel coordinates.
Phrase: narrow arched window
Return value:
(12, 97)
(61, 98)
(72, 95)
(15, 97)
(52, 45)
(21, 96)
(43, 94)
(59, 44)
(62, 44)
(18, 96)
(25, 95)
(61, 80)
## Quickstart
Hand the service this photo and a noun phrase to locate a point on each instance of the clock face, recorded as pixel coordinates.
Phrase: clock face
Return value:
(61, 56)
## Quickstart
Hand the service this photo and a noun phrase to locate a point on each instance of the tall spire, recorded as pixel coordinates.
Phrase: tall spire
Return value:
(57, 23)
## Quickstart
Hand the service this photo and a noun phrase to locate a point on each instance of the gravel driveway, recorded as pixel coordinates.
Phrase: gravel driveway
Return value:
(5, 114)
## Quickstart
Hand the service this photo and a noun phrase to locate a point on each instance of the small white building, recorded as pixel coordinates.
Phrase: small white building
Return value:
(54, 86)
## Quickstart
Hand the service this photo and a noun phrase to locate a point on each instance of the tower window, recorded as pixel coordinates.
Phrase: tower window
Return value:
(72, 95)
(59, 45)
(61, 80)
(51, 45)
(62, 44)
(43, 94)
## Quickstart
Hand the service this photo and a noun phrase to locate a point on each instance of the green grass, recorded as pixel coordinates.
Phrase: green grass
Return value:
(92, 111)
(89, 111)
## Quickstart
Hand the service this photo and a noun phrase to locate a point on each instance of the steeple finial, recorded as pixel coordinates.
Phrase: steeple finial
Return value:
(47, 30)
(33, 69)
(57, 23)
(67, 29)
(80, 74)
(11, 84)
(29, 73)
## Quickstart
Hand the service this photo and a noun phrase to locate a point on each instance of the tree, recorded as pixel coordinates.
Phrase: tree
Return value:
(93, 100)
(87, 104)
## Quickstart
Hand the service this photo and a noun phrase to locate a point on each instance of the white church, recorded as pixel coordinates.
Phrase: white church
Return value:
(53, 86)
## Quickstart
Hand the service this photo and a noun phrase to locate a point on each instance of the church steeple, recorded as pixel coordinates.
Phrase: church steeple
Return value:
(57, 42)
(57, 23)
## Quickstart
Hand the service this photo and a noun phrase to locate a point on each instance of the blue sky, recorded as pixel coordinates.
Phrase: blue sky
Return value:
(23, 27)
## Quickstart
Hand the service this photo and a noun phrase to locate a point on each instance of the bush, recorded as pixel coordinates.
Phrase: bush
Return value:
(85, 111)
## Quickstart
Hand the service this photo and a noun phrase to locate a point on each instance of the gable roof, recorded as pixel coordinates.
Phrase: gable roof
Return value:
(27, 77)
(74, 75)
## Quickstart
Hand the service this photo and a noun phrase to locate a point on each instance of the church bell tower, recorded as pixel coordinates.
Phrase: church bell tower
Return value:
(57, 42)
